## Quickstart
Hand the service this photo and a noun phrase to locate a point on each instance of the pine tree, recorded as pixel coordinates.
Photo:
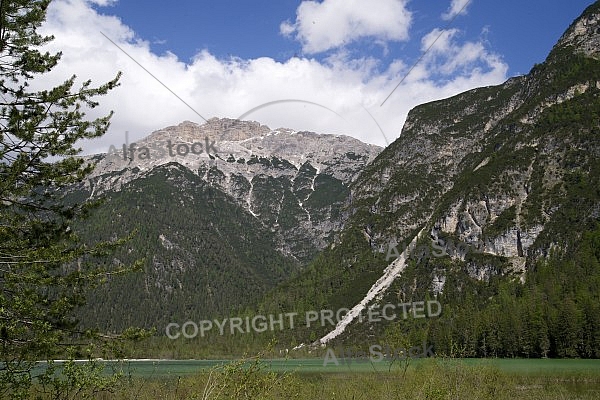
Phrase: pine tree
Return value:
(44, 269)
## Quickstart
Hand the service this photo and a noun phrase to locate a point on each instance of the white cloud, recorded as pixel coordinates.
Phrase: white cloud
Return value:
(457, 7)
(103, 3)
(448, 57)
(231, 87)
(335, 23)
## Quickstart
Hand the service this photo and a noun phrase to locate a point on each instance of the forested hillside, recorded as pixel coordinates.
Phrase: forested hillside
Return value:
(202, 253)
(511, 170)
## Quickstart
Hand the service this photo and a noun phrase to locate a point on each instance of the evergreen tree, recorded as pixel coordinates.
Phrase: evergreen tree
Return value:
(44, 268)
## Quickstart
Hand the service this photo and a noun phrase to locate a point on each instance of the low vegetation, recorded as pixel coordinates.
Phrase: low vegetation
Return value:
(432, 379)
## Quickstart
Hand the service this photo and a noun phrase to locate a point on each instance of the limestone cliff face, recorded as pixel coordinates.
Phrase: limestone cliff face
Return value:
(295, 183)
(584, 34)
(498, 177)
(495, 165)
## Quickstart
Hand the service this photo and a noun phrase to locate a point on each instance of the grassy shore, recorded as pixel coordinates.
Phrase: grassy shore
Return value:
(417, 379)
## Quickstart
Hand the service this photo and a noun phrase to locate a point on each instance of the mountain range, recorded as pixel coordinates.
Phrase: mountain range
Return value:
(282, 221)
(212, 226)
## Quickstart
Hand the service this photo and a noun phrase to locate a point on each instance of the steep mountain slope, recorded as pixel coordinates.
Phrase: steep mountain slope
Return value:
(511, 172)
(494, 164)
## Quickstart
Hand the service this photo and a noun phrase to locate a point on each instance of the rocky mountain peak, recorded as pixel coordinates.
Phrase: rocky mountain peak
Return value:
(220, 129)
(294, 183)
(584, 33)
(230, 143)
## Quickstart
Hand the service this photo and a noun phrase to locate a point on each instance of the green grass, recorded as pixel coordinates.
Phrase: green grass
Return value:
(423, 379)
(432, 378)
(170, 368)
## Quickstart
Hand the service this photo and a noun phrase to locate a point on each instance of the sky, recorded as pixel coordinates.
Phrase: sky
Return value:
(353, 67)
